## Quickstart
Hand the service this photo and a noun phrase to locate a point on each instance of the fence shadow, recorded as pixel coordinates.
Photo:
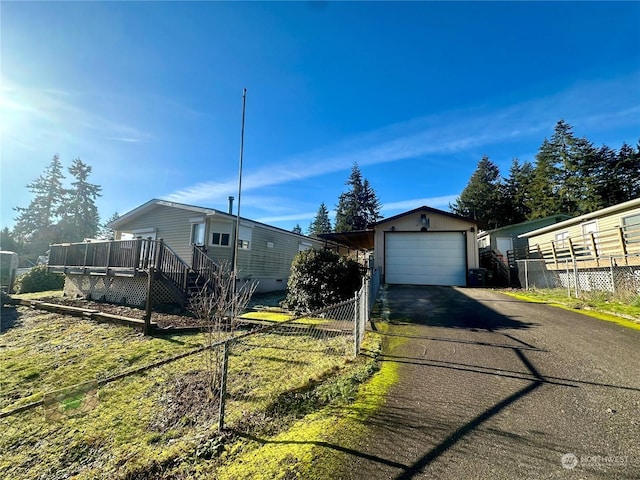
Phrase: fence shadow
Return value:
(444, 307)
(9, 318)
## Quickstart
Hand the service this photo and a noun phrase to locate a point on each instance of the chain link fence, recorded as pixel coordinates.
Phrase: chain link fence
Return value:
(617, 275)
(113, 403)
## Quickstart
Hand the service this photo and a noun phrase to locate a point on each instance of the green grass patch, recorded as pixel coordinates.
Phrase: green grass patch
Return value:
(39, 295)
(160, 422)
(304, 449)
(271, 316)
(600, 305)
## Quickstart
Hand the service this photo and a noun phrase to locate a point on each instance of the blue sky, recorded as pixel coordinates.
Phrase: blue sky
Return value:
(150, 95)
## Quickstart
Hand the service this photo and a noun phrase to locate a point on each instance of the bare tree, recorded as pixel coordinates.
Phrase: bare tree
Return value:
(216, 307)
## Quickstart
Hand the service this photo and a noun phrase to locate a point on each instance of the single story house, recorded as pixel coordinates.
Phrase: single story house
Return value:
(265, 252)
(424, 246)
(590, 239)
(184, 244)
(507, 239)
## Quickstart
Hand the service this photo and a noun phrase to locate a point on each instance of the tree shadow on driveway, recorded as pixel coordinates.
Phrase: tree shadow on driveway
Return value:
(442, 307)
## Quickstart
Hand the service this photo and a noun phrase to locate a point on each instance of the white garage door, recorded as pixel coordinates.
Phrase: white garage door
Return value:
(425, 258)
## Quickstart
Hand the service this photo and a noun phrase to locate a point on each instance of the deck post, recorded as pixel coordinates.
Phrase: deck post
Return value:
(149, 304)
(159, 249)
(84, 261)
(595, 248)
(147, 253)
(623, 245)
(137, 254)
(108, 257)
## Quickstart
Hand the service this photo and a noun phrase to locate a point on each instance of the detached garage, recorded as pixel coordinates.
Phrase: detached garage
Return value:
(426, 246)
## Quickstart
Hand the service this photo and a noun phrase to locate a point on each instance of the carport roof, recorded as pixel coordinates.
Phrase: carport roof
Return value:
(358, 240)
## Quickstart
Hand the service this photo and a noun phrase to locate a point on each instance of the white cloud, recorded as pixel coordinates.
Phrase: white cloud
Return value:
(445, 133)
(441, 203)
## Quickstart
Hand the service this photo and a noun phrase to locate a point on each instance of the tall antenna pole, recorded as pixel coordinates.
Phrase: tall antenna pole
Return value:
(237, 234)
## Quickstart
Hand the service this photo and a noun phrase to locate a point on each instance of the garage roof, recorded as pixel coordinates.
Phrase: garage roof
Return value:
(424, 208)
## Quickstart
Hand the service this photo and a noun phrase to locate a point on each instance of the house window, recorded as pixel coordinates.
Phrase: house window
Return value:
(244, 237)
(562, 239)
(197, 233)
(220, 239)
(589, 229)
(631, 228)
(304, 246)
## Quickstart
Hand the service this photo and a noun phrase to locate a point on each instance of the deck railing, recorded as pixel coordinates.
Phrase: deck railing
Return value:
(129, 257)
(117, 254)
(203, 265)
(591, 249)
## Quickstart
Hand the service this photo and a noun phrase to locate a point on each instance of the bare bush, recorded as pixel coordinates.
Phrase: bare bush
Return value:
(216, 308)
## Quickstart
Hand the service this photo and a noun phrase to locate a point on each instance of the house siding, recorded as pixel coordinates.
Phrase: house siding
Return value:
(270, 266)
(271, 262)
(171, 224)
(604, 223)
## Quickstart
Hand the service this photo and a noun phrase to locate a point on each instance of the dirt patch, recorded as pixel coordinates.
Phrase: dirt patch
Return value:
(164, 319)
(187, 401)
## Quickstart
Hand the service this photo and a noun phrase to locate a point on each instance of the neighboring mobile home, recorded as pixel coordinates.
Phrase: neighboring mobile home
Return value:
(590, 239)
(507, 239)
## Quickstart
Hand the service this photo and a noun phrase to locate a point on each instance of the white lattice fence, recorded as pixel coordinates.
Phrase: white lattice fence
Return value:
(618, 275)
(123, 290)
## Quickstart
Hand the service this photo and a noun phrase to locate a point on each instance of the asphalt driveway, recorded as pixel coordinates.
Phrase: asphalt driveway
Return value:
(495, 388)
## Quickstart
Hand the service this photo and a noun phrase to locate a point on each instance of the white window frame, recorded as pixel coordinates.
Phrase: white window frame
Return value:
(145, 233)
(223, 230)
(245, 235)
(562, 239)
(628, 222)
(221, 236)
(198, 233)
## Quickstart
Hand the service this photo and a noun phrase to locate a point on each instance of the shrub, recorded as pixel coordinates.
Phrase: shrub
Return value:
(39, 279)
(320, 278)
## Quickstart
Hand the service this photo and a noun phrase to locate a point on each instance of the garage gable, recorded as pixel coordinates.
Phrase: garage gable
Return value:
(426, 246)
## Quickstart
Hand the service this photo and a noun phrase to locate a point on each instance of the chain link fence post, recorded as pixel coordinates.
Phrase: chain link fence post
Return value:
(223, 384)
(356, 328)
(613, 279)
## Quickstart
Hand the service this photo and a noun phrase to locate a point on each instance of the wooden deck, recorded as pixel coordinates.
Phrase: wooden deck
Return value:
(617, 247)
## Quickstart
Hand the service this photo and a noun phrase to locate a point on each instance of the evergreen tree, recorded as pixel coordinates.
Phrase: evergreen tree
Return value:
(544, 199)
(36, 225)
(7, 242)
(370, 204)
(514, 194)
(358, 206)
(575, 159)
(480, 199)
(106, 232)
(81, 219)
(321, 222)
(618, 174)
(297, 229)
